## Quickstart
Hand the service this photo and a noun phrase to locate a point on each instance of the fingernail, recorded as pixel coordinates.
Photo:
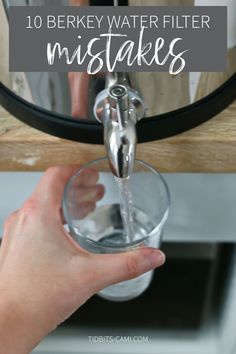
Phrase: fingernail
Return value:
(158, 258)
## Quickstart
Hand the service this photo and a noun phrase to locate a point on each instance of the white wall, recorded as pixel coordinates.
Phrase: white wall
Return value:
(231, 16)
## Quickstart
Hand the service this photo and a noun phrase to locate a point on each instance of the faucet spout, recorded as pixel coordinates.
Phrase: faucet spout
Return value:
(119, 108)
(120, 133)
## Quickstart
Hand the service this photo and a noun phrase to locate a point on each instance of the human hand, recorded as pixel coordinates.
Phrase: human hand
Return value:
(44, 274)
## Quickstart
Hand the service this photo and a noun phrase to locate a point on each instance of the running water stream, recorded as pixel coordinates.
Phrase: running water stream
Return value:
(126, 209)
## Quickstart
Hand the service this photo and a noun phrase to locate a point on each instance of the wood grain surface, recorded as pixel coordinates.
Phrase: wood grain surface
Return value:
(210, 147)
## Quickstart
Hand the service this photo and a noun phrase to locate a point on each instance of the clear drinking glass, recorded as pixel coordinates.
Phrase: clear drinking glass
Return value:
(131, 213)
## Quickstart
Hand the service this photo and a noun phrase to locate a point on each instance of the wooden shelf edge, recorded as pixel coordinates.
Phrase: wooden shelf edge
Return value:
(210, 147)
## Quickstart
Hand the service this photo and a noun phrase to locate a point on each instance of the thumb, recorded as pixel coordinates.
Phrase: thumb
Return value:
(114, 268)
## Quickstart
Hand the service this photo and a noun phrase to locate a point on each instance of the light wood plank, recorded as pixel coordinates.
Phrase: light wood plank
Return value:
(210, 147)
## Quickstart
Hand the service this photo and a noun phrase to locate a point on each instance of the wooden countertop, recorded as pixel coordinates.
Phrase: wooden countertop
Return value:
(210, 147)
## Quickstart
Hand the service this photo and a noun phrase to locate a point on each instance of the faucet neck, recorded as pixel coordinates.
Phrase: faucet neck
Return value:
(115, 108)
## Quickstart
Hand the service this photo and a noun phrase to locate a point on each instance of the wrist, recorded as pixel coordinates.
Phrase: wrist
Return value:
(20, 327)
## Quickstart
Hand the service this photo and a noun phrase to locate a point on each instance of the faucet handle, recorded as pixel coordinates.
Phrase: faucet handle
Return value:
(129, 100)
(119, 105)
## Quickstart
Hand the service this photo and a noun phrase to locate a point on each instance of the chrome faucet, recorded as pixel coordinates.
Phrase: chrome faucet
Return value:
(119, 108)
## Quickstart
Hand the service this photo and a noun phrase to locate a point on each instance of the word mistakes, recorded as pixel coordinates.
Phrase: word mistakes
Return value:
(157, 52)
